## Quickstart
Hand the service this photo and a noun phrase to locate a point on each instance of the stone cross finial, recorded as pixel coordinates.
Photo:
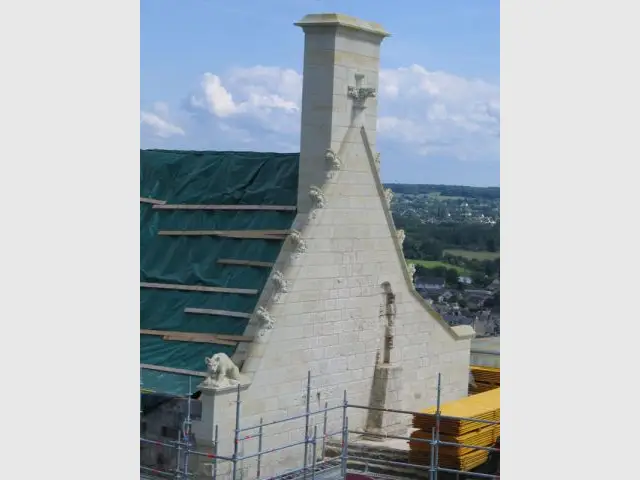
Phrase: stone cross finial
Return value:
(360, 93)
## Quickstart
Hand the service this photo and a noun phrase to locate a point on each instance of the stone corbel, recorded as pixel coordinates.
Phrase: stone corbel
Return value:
(280, 284)
(335, 164)
(266, 320)
(318, 199)
(299, 245)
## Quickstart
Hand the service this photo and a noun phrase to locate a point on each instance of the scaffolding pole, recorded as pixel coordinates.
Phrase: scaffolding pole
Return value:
(184, 445)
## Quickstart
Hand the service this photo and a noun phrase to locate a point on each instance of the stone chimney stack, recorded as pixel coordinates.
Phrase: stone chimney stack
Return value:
(341, 65)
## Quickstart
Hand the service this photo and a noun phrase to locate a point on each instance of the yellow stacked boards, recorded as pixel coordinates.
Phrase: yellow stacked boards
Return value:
(484, 437)
(486, 378)
(464, 463)
(458, 426)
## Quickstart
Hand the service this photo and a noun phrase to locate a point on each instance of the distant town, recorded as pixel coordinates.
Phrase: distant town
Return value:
(452, 236)
(445, 203)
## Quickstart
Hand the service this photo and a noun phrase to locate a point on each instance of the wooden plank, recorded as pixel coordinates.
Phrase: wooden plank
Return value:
(222, 313)
(179, 371)
(221, 339)
(199, 288)
(235, 338)
(152, 201)
(255, 234)
(247, 263)
(198, 339)
(264, 208)
(189, 337)
(212, 337)
(232, 339)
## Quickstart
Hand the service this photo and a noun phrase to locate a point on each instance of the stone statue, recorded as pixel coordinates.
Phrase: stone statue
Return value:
(221, 371)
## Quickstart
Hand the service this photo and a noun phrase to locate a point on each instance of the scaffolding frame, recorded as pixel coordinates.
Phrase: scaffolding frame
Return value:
(318, 466)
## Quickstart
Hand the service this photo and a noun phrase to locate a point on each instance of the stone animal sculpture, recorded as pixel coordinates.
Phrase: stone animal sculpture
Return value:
(221, 371)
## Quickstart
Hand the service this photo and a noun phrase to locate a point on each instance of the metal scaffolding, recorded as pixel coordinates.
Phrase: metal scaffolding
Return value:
(325, 458)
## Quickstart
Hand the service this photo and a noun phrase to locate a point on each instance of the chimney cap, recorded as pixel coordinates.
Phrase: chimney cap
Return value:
(340, 20)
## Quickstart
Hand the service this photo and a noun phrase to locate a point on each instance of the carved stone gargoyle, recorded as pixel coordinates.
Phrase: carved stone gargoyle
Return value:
(221, 371)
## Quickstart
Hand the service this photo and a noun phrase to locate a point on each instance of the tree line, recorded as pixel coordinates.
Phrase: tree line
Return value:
(428, 241)
(485, 193)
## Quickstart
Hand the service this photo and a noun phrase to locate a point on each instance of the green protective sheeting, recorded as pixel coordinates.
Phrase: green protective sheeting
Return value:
(205, 178)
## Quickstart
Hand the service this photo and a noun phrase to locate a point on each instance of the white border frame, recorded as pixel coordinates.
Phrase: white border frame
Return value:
(70, 249)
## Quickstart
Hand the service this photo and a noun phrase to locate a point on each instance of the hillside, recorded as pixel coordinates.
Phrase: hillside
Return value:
(450, 227)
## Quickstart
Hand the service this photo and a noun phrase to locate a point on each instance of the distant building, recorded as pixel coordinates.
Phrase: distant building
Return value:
(429, 283)
(478, 291)
(465, 280)
(455, 320)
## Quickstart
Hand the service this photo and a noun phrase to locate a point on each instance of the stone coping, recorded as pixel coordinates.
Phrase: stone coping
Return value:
(338, 19)
(208, 390)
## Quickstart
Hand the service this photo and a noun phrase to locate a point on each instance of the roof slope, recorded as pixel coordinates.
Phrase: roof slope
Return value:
(204, 178)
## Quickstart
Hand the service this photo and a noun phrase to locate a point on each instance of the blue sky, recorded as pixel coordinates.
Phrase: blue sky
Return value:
(225, 75)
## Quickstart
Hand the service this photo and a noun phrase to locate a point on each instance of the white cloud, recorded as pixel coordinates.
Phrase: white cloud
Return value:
(266, 97)
(440, 114)
(427, 113)
(158, 121)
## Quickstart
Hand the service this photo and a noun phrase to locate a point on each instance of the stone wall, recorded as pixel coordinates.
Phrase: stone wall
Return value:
(331, 320)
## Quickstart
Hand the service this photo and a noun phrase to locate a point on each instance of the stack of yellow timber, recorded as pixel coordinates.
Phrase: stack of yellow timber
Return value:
(486, 378)
(483, 406)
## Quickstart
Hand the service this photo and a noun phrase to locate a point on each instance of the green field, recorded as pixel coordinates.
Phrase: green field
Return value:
(434, 264)
(473, 255)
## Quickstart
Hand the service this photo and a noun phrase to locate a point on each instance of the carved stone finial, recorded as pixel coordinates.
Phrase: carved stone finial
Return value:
(360, 93)
(377, 161)
(334, 162)
(401, 236)
(280, 284)
(299, 244)
(318, 198)
(388, 196)
(221, 371)
(411, 268)
(266, 320)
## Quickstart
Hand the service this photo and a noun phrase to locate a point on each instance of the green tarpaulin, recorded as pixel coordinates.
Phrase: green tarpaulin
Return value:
(204, 178)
